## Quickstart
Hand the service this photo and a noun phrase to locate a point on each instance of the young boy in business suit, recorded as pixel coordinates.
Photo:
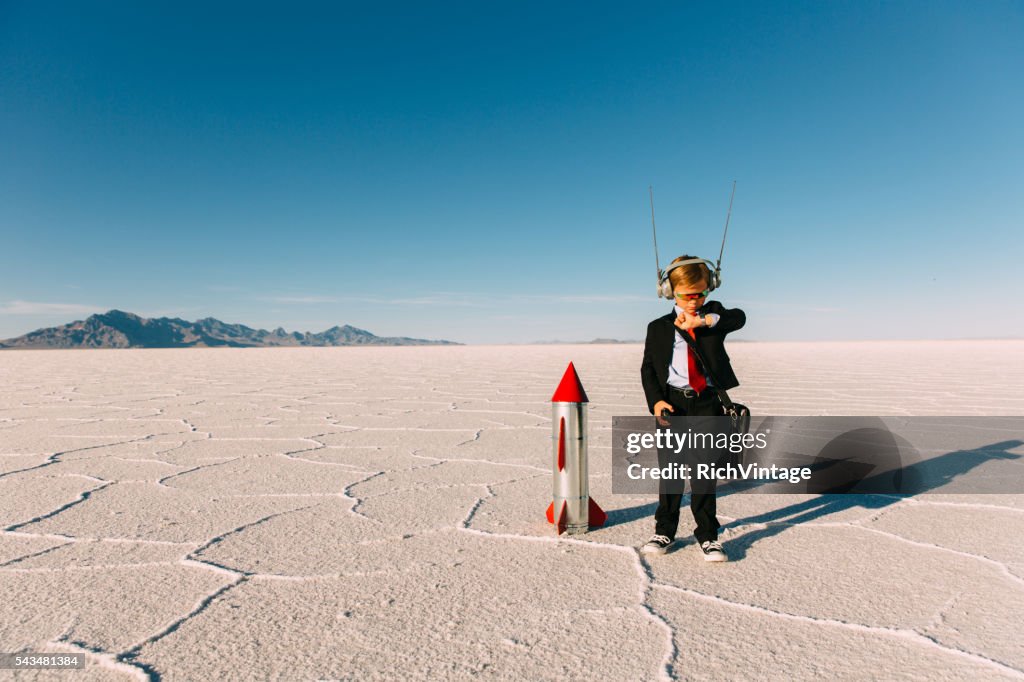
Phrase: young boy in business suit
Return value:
(673, 379)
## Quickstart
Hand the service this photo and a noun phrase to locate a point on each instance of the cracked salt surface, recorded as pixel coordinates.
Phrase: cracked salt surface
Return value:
(376, 513)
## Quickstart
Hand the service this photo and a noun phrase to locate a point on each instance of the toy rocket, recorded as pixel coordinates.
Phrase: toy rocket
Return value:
(572, 510)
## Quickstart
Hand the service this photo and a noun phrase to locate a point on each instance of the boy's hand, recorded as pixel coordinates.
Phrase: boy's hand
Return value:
(687, 321)
(658, 407)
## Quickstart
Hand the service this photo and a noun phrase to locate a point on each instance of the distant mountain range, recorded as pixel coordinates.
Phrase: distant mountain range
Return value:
(118, 329)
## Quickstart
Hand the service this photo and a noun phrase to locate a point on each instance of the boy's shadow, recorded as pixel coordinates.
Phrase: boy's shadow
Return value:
(919, 477)
(850, 489)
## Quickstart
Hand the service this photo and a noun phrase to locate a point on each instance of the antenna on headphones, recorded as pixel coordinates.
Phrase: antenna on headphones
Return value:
(718, 265)
(654, 230)
(716, 276)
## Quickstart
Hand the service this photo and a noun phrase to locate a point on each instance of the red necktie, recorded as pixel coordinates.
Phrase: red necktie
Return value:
(697, 381)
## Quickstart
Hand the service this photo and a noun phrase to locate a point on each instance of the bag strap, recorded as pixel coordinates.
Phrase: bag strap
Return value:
(692, 343)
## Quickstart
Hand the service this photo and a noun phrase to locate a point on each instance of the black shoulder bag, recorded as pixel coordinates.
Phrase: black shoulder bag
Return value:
(737, 413)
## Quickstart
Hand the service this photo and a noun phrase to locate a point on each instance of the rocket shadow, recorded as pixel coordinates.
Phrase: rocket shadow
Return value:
(630, 514)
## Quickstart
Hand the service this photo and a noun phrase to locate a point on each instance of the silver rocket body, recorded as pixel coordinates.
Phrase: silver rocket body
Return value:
(570, 491)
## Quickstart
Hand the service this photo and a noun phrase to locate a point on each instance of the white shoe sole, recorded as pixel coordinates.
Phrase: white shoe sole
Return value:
(717, 557)
(653, 550)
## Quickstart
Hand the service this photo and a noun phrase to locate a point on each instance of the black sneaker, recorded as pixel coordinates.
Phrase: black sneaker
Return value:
(658, 544)
(712, 550)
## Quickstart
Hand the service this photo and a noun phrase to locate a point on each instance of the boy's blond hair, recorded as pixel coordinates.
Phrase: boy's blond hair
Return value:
(689, 275)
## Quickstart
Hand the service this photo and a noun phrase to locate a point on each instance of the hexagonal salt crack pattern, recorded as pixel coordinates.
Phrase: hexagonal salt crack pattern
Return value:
(147, 511)
(110, 608)
(378, 513)
(450, 608)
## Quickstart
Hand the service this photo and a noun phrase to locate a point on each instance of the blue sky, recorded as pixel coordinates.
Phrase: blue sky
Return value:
(479, 171)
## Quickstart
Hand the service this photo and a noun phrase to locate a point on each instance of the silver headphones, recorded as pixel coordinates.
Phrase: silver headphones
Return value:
(665, 286)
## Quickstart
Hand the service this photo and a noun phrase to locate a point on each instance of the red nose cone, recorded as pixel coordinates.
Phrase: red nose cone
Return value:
(570, 390)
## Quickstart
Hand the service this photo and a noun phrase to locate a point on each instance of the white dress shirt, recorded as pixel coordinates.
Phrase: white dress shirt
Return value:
(679, 370)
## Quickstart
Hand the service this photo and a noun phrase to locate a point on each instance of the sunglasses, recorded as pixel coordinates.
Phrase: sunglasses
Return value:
(693, 297)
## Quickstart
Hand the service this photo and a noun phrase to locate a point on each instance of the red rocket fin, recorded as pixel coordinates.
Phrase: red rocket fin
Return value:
(595, 515)
(570, 389)
(561, 518)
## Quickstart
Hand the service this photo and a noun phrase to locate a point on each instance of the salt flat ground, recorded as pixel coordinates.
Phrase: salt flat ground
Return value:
(372, 513)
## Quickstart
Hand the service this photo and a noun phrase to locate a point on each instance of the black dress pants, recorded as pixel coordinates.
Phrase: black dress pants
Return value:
(702, 502)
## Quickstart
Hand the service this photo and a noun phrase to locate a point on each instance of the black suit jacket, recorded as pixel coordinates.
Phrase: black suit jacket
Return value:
(661, 340)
